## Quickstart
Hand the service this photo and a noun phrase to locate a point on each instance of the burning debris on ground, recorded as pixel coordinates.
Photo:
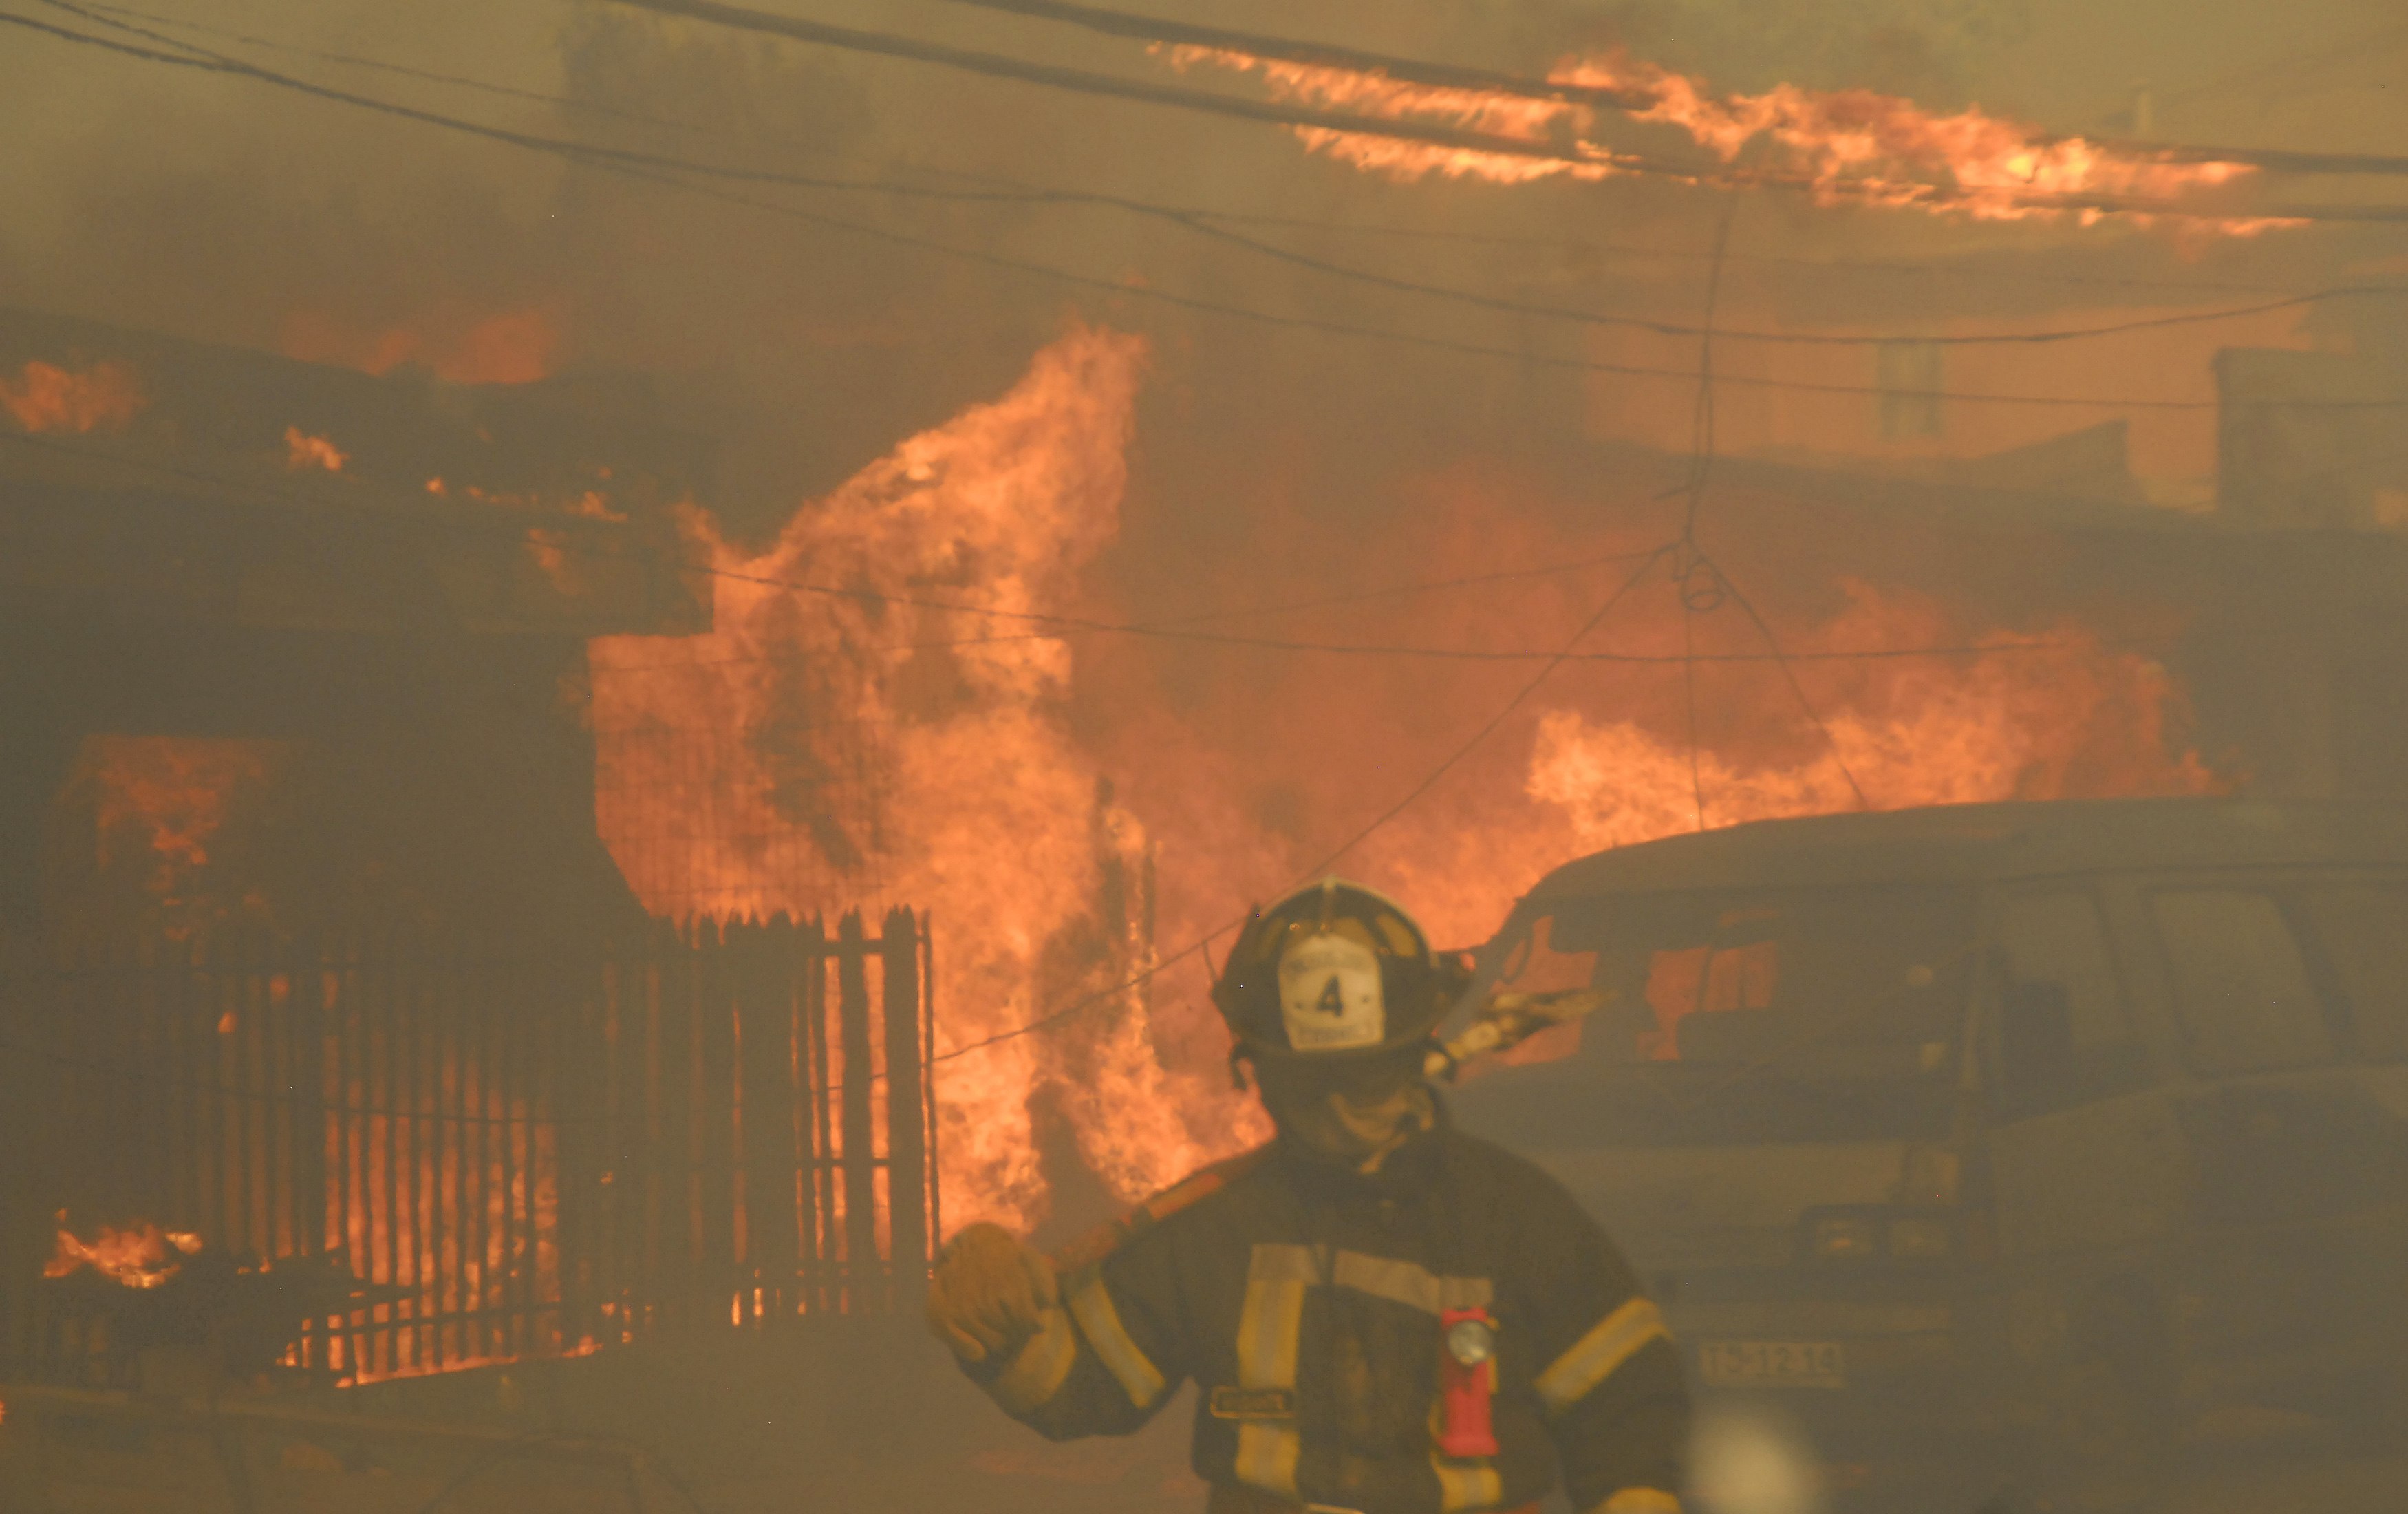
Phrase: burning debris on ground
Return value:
(658, 655)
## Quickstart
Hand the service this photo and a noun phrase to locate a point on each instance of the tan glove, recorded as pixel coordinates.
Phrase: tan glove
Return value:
(989, 1291)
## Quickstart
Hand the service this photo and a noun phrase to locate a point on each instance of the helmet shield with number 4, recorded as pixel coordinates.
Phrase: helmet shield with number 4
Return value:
(1334, 971)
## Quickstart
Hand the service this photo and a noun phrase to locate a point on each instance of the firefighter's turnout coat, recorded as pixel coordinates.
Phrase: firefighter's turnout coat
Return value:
(1304, 1299)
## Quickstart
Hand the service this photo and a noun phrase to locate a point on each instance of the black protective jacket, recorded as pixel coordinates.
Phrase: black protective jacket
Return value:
(1304, 1299)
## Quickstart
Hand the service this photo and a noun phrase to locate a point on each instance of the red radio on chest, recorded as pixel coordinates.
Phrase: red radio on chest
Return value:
(1466, 1380)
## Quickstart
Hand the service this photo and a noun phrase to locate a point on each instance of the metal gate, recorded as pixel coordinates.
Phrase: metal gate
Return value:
(456, 1150)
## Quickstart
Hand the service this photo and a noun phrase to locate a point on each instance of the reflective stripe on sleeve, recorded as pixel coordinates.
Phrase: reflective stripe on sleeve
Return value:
(1269, 1324)
(1639, 1501)
(1035, 1374)
(1101, 1323)
(1595, 1356)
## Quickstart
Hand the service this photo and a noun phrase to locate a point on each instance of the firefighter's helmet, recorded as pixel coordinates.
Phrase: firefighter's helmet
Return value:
(1333, 971)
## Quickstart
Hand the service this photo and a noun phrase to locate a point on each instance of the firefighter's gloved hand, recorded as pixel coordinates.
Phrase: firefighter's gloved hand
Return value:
(989, 1291)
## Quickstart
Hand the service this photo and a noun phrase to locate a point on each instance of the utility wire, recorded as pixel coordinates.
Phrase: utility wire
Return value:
(654, 168)
(1061, 628)
(1629, 99)
(1697, 566)
(1017, 192)
(1702, 462)
(1319, 55)
(1593, 160)
(995, 65)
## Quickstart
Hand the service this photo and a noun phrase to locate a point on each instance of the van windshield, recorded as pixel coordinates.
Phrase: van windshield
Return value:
(1797, 1013)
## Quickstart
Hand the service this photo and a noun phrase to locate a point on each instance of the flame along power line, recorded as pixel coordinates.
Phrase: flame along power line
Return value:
(1587, 158)
(1017, 192)
(1162, 33)
(1203, 223)
(663, 170)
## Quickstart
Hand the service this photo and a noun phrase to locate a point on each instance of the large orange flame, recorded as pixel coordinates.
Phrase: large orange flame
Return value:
(946, 777)
(44, 397)
(1841, 144)
(143, 1257)
(841, 737)
(2068, 720)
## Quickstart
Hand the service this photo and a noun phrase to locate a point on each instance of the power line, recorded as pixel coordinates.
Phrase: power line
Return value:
(995, 65)
(1387, 66)
(654, 168)
(1062, 628)
(1593, 161)
(1018, 191)
(1319, 55)
(1199, 224)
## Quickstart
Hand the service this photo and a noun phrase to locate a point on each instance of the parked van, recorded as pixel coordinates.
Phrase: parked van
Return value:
(1996, 1134)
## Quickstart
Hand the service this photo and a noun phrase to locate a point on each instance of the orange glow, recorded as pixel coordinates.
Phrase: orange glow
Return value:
(104, 396)
(303, 450)
(171, 791)
(989, 814)
(2072, 720)
(143, 1257)
(841, 737)
(517, 346)
(1843, 145)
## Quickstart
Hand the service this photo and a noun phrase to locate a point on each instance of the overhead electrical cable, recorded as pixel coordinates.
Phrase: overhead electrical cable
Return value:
(1065, 627)
(1318, 54)
(1052, 76)
(660, 169)
(1626, 100)
(1012, 191)
(1594, 160)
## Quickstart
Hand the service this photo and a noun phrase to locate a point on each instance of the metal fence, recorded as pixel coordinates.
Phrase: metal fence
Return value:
(507, 1153)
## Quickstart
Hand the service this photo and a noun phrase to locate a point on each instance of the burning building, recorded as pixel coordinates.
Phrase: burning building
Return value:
(440, 765)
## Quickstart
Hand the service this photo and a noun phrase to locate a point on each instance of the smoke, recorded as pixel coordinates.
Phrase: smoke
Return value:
(1131, 793)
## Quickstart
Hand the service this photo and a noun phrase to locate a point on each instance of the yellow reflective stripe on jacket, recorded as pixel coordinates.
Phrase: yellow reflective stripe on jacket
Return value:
(1101, 1323)
(1466, 1485)
(1036, 1373)
(1268, 1323)
(1594, 1356)
(1408, 1283)
(1639, 1501)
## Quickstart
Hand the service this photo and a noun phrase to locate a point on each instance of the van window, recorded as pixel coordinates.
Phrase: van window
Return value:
(2059, 938)
(2240, 986)
(2363, 930)
(1800, 1013)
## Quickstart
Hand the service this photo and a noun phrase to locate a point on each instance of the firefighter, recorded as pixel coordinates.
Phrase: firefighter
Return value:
(1381, 1313)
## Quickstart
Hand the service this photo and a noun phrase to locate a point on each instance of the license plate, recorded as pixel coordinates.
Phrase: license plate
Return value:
(1772, 1363)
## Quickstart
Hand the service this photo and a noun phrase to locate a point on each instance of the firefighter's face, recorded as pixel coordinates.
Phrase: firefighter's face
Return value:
(1353, 1109)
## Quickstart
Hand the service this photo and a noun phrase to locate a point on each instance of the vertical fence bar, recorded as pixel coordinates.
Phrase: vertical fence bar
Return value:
(715, 1117)
(352, 1068)
(859, 1143)
(824, 1206)
(772, 1194)
(306, 1056)
(907, 1154)
(928, 1080)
